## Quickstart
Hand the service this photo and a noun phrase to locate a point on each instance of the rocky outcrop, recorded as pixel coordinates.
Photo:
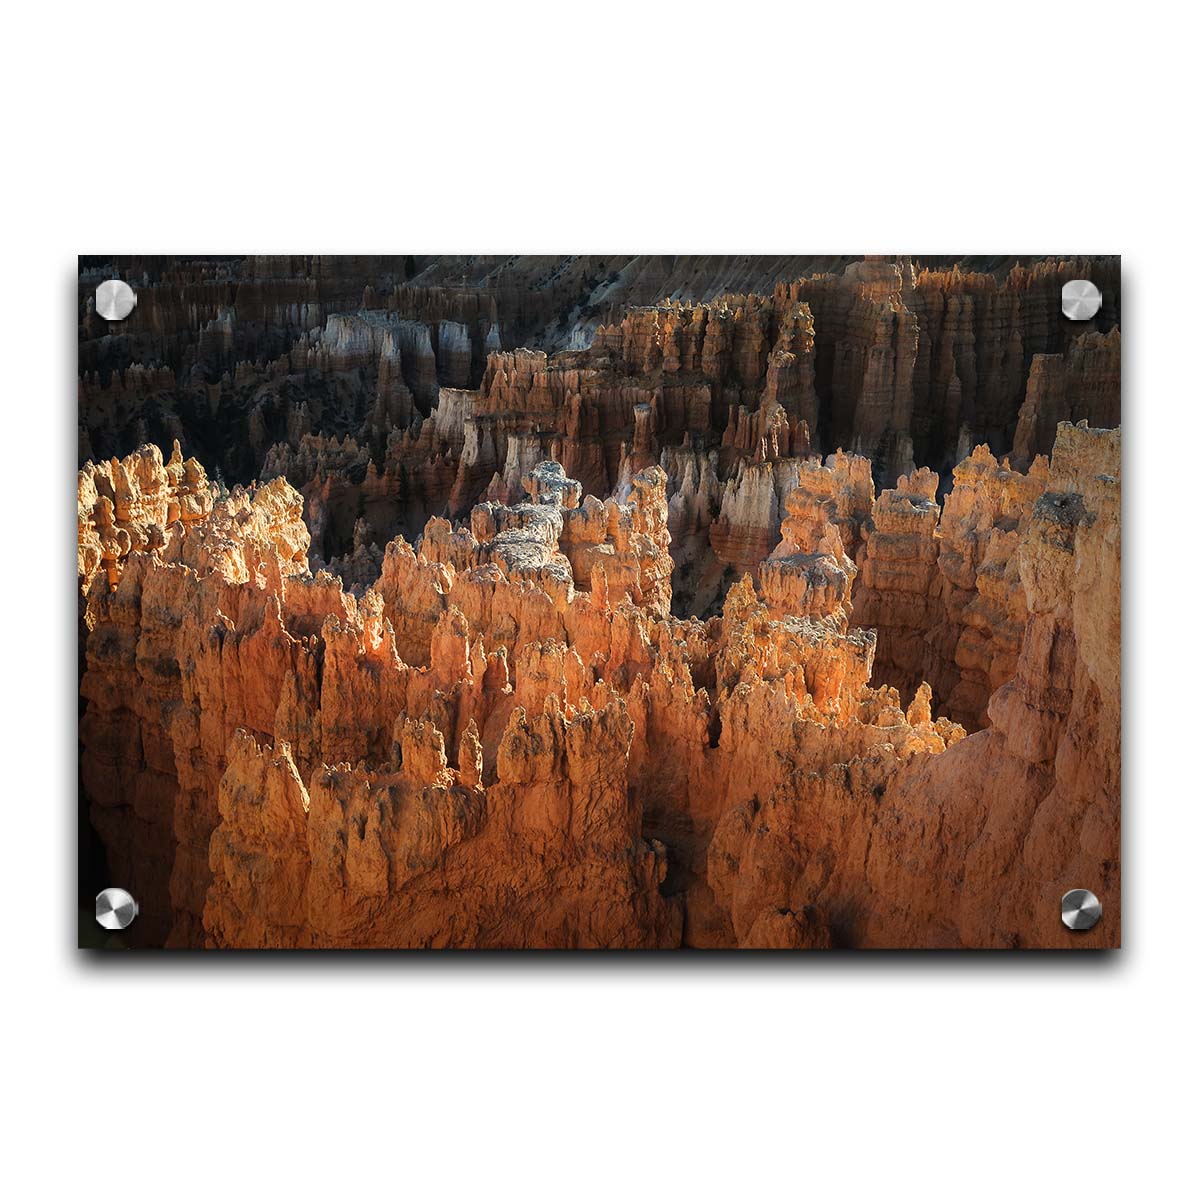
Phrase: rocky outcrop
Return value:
(975, 846)
(1037, 796)
(1082, 385)
(478, 751)
(809, 573)
(185, 647)
(129, 504)
(900, 362)
(898, 595)
(940, 587)
(571, 615)
(748, 525)
(906, 356)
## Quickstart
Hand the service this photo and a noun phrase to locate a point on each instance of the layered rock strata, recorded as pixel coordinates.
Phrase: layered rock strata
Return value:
(977, 845)
(571, 615)
(127, 504)
(506, 739)
(940, 585)
(1082, 384)
(388, 390)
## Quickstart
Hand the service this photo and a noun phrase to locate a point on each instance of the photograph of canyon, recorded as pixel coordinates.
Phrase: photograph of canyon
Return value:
(656, 602)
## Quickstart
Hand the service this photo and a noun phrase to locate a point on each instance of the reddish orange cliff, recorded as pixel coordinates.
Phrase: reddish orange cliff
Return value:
(602, 600)
(508, 740)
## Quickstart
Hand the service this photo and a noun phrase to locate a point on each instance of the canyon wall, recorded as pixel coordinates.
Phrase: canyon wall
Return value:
(503, 735)
(596, 601)
(386, 390)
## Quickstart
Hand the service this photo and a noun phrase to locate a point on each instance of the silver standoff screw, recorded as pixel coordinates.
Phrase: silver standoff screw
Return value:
(1080, 300)
(115, 300)
(1080, 909)
(115, 908)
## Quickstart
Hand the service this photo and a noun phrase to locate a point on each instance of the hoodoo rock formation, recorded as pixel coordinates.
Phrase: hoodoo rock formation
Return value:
(602, 602)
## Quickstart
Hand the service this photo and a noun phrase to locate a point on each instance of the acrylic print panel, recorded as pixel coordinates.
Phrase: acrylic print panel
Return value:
(611, 601)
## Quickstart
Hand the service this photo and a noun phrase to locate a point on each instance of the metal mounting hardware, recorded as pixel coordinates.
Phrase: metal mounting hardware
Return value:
(1080, 300)
(1080, 909)
(115, 908)
(115, 300)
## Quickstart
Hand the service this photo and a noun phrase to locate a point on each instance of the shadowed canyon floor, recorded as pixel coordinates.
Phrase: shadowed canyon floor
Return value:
(629, 602)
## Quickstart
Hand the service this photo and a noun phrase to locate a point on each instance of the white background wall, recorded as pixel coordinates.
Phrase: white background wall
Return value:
(824, 127)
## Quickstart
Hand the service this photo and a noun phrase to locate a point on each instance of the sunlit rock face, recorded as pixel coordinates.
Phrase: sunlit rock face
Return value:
(389, 390)
(775, 618)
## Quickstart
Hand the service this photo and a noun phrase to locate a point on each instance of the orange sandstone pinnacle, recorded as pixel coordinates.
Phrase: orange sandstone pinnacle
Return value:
(500, 735)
